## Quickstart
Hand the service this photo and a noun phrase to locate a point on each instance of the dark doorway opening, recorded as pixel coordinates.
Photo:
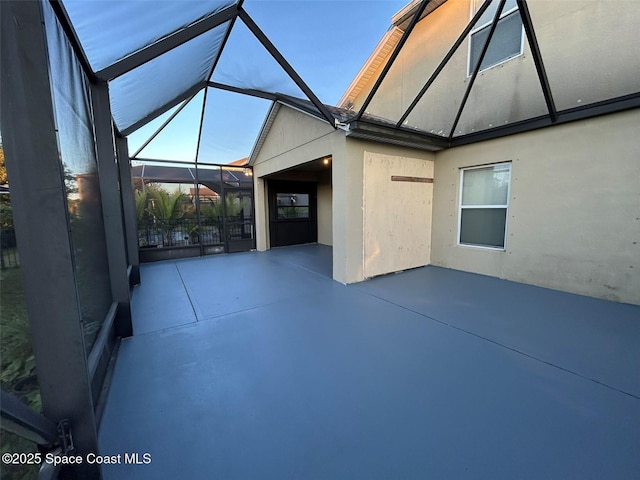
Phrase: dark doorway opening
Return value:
(293, 216)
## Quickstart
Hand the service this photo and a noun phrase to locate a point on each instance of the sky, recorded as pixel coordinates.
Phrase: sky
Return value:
(326, 42)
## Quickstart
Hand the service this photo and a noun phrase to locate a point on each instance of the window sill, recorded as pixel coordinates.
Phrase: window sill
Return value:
(482, 247)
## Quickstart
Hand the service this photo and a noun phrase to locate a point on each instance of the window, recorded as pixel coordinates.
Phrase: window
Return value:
(292, 205)
(484, 201)
(506, 42)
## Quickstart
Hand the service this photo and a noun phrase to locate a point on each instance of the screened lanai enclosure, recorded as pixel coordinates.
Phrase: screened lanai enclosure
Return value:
(128, 129)
(185, 211)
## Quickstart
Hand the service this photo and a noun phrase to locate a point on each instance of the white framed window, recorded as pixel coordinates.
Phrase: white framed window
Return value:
(484, 205)
(507, 41)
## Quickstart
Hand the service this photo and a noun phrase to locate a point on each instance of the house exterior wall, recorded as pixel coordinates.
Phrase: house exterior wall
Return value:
(572, 222)
(296, 138)
(397, 214)
(579, 71)
(349, 209)
(574, 213)
(325, 209)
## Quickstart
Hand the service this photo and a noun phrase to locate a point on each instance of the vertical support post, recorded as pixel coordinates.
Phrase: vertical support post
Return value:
(197, 179)
(224, 233)
(261, 213)
(111, 207)
(39, 200)
(127, 195)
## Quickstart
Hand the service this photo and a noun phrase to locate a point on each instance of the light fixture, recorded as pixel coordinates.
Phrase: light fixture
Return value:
(326, 161)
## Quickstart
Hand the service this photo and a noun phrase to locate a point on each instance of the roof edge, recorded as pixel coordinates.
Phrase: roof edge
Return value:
(379, 56)
(264, 131)
(402, 18)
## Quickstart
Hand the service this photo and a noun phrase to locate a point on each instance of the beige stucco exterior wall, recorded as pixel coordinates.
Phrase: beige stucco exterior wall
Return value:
(348, 211)
(574, 213)
(296, 138)
(580, 71)
(325, 209)
(397, 214)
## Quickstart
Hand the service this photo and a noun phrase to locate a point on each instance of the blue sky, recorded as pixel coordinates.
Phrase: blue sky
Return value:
(326, 41)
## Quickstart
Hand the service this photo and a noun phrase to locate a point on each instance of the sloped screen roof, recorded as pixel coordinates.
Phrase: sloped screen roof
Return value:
(157, 54)
(510, 65)
(111, 30)
(142, 91)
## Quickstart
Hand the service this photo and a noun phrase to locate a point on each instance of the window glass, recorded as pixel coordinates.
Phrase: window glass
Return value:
(292, 212)
(505, 43)
(483, 226)
(293, 199)
(292, 205)
(489, 13)
(483, 205)
(486, 186)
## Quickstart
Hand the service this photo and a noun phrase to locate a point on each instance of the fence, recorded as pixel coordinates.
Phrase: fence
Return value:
(187, 232)
(9, 257)
(8, 249)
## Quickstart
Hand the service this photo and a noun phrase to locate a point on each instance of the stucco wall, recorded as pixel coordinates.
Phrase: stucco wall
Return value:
(574, 213)
(584, 61)
(296, 138)
(397, 214)
(348, 211)
(325, 209)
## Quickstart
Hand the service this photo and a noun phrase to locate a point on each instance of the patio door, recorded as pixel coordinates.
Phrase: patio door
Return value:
(238, 220)
(293, 215)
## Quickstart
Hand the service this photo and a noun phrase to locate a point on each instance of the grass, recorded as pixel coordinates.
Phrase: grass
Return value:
(18, 366)
(11, 293)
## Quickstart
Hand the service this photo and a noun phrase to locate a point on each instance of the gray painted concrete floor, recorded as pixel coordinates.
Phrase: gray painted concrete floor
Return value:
(258, 366)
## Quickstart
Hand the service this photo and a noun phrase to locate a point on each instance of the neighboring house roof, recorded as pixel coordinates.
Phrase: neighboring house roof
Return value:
(205, 192)
(240, 162)
(384, 49)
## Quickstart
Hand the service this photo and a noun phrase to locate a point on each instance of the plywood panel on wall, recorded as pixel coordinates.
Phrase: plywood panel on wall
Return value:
(397, 214)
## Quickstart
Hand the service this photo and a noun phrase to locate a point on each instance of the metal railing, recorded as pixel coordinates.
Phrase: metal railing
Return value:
(182, 233)
(8, 246)
(9, 257)
(186, 232)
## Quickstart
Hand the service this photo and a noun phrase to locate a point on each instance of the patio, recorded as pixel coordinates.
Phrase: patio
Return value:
(258, 365)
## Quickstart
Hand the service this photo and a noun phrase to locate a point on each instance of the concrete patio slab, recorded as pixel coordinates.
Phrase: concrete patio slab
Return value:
(327, 381)
(593, 338)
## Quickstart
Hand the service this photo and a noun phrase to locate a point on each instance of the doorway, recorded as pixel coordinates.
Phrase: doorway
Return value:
(293, 216)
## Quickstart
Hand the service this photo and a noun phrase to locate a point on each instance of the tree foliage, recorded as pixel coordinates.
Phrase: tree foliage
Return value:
(162, 209)
(3, 168)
